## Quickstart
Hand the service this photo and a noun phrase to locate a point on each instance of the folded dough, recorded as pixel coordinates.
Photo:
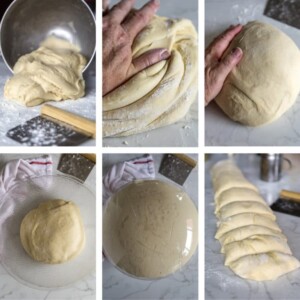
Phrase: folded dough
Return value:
(244, 219)
(255, 244)
(163, 93)
(226, 175)
(252, 242)
(239, 207)
(53, 72)
(237, 194)
(264, 266)
(247, 231)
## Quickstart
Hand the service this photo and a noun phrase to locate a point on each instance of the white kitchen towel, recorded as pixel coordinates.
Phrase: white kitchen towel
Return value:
(17, 170)
(21, 169)
(125, 172)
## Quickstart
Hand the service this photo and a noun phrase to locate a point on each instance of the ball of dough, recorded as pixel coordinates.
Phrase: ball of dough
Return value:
(161, 94)
(266, 82)
(150, 229)
(53, 232)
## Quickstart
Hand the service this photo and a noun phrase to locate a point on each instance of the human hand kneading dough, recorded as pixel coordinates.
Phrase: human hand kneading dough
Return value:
(218, 68)
(120, 27)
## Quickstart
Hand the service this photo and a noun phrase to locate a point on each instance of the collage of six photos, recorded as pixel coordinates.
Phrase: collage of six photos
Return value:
(116, 182)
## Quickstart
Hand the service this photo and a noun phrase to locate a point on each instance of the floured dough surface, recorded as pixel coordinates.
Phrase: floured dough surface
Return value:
(53, 232)
(266, 82)
(253, 244)
(53, 72)
(161, 94)
(150, 229)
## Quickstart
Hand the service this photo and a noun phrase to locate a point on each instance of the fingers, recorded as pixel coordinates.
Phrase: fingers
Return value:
(148, 59)
(221, 43)
(215, 77)
(119, 12)
(228, 63)
(105, 4)
(140, 18)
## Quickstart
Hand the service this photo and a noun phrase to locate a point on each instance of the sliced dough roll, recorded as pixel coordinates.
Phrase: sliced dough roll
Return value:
(237, 194)
(235, 208)
(254, 245)
(264, 266)
(243, 220)
(244, 232)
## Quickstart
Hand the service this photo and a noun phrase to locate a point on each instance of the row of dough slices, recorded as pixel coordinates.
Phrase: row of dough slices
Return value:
(251, 240)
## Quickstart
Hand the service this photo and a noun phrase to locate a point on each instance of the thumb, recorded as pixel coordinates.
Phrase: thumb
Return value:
(229, 62)
(148, 59)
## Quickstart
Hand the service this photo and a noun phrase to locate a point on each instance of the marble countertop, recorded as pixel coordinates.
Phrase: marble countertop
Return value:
(13, 114)
(84, 289)
(185, 132)
(219, 14)
(181, 285)
(220, 281)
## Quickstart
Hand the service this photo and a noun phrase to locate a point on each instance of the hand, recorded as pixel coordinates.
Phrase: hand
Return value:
(120, 27)
(105, 5)
(216, 67)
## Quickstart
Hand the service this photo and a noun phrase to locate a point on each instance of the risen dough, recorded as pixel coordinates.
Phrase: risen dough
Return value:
(162, 94)
(52, 72)
(53, 232)
(266, 82)
(150, 229)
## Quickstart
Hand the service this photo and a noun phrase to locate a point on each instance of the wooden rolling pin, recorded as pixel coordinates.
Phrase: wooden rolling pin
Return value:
(79, 122)
(284, 194)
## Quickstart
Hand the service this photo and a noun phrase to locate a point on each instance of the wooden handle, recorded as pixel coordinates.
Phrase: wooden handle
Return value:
(290, 195)
(90, 156)
(79, 122)
(187, 160)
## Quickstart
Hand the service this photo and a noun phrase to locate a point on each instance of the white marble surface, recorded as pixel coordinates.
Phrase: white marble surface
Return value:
(13, 114)
(181, 285)
(219, 14)
(185, 132)
(84, 289)
(220, 281)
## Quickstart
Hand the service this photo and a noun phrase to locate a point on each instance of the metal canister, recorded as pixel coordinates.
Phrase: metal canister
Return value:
(270, 167)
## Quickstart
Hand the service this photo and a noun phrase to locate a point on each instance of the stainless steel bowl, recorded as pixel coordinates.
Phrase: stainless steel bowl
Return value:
(27, 23)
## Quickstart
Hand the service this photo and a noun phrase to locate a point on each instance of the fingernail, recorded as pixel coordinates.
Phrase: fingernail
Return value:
(165, 54)
(237, 52)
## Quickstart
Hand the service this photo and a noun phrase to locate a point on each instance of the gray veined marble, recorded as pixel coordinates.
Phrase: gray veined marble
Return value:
(220, 282)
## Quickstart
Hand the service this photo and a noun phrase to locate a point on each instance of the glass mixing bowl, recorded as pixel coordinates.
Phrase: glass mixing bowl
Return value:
(150, 229)
(17, 202)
